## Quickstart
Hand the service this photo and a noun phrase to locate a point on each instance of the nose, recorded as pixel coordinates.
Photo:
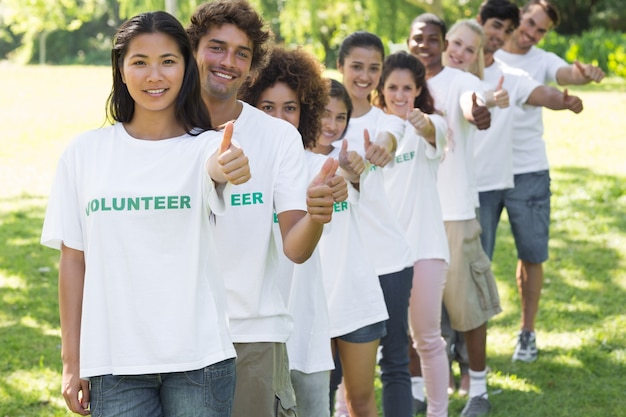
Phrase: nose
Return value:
(155, 73)
(228, 59)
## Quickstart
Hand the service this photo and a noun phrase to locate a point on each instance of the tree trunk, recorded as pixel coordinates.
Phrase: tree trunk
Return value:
(42, 46)
(171, 7)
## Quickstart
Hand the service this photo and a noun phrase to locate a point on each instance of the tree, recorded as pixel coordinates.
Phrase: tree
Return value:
(35, 19)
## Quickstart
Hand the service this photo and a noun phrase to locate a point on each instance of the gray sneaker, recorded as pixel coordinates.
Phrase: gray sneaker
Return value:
(526, 348)
(476, 406)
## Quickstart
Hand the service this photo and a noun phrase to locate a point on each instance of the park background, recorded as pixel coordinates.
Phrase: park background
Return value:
(582, 321)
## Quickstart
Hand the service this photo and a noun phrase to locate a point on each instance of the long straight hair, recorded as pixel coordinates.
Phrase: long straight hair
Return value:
(190, 111)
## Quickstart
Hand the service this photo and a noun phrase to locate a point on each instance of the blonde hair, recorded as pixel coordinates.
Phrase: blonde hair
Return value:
(478, 66)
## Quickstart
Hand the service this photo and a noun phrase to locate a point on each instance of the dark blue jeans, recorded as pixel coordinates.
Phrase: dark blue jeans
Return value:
(394, 362)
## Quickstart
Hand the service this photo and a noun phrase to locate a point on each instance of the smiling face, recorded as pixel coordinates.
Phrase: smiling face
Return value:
(334, 122)
(497, 31)
(153, 70)
(463, 47)
(400, 92)
(280, 101)
(224, 57)
(361, 71)
(534, 24)
(426, 43)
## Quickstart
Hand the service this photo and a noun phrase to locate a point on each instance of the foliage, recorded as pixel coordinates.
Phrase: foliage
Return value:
(599, 46)
(35, 19)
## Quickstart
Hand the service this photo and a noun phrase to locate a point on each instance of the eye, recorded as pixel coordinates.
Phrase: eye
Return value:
(267, 108)
(291, 108)
(243, 54)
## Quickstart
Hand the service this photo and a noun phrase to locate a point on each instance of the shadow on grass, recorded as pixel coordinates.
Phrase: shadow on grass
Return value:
(30, 350)
(581, 319)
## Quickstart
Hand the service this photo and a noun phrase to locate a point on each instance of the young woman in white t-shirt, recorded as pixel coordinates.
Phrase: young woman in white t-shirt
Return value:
(374, 135)
(291, 87)
(140, 292)
(411, 184)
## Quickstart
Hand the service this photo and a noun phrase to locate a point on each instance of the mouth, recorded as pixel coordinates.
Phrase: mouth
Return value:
(400, 103)
(155, 91)
(223, 75)
(454, 61)
(362, 84)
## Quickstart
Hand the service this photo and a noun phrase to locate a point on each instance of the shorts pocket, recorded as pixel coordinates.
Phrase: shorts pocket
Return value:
(285, 403)
(540, 216)
(486, 289)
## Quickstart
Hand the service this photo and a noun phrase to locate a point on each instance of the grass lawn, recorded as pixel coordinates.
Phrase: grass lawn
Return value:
(582, 321)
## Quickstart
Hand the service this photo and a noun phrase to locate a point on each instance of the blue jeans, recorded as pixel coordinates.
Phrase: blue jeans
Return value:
(394, 361)
(206, 392)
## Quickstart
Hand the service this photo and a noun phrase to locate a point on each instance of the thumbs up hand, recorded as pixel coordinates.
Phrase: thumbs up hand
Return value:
(351, 162)
(500, 95)
(572, 103)
(231, 160)
(589, 72)
(480, 114)
(319, 195)
(374, 153)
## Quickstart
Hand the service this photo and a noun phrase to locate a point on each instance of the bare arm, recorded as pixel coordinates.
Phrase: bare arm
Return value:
(71, 284)
(578, 73)
(554, 99)
(301, 230)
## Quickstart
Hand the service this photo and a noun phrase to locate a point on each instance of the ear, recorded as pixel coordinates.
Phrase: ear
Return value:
(339, 67)
(479, 20)
(122, 75)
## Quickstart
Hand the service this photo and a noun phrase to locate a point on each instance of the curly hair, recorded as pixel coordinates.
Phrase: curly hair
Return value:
(302, 73)
(240, 13)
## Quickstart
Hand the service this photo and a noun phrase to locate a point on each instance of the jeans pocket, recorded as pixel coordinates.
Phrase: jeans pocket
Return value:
(486, 288)
(220, 385)
(540, 216)
(285, 403)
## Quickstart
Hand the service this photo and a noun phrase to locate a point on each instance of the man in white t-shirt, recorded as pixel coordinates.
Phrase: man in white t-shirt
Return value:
(231, 42)
(470, 294)
(530, 218)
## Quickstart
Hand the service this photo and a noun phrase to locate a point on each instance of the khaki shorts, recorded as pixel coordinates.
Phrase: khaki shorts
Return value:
(263, 386)
(470, 295)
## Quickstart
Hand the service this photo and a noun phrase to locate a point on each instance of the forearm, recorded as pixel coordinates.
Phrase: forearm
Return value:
(71, 284)
(300, 240)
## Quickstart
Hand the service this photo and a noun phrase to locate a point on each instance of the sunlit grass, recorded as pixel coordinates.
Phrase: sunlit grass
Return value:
(582, 321)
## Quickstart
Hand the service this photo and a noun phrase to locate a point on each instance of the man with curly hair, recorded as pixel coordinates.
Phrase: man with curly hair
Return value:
(231, 43)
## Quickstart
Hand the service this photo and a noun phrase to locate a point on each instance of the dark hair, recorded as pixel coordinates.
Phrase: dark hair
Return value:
(499, 9)
(302, 73)
(360, 39)
(430, 18)
(549, 8)
(239, 13)
(338, 91)
(403, 60)
(190, 110)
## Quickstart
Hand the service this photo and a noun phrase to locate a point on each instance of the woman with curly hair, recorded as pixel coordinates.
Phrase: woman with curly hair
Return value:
(291, 88)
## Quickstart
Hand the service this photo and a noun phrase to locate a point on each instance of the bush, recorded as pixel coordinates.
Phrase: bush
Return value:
(601, 47)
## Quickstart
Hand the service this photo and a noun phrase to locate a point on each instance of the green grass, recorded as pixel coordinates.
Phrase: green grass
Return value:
(581, 325)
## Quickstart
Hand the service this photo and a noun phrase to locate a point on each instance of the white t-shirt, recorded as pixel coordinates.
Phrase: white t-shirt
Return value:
(140, 211)
(352, 288)
(411, 185)
(302, 286)
(382, 234)
(456, 180)
(257, 310)
(493, 150)
(529, 148)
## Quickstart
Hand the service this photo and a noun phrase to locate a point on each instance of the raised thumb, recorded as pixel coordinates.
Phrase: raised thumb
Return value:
(227, 138)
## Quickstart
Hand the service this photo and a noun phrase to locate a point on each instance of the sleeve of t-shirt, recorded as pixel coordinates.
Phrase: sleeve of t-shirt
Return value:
(214, 199)
(441, 141)
(62, 223)
(525, 86)
(553, 63)
(292, 176)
